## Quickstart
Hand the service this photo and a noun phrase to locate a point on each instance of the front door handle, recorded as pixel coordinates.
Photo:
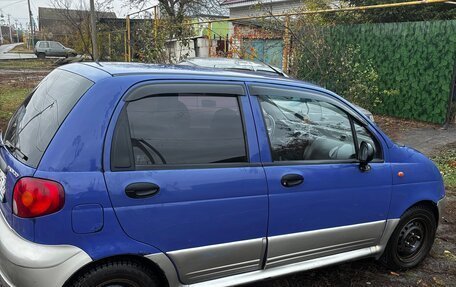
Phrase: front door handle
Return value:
(141, 189)
(292, 179)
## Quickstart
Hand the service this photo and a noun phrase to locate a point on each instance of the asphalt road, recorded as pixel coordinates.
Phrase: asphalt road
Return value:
(5, 55)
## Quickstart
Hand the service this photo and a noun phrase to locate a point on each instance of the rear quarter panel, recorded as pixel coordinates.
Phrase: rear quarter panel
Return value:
(86, 190)
(74, 158)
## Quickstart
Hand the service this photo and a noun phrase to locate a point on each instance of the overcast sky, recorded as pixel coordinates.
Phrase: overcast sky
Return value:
(19, 11)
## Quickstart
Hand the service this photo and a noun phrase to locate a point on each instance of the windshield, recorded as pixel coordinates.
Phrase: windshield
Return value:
(32, 127)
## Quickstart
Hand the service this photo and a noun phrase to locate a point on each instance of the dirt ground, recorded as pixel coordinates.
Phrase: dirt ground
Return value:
(439, 269)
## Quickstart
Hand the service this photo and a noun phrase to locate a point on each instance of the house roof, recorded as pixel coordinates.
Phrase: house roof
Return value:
(45, 13)
(229, 2)
(243, 3)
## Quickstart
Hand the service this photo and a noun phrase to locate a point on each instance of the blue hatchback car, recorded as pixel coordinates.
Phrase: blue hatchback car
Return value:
(145, 175)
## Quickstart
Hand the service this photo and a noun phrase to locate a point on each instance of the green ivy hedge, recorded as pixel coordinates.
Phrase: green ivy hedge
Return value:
(413, 62)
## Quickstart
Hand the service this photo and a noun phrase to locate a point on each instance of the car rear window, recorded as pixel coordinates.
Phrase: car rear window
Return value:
(36, 121)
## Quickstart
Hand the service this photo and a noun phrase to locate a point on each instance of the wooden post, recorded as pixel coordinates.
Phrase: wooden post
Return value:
(125, 46)
(286, 45)
(209, 37)
(226, 45)
(155, 23)
(128, 40)
(109, 44)
(93, 26)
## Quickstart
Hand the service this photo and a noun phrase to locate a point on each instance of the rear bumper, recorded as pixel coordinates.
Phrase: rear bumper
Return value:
(24, 263)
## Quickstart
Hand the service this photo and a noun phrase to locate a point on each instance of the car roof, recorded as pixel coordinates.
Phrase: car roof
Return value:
(219, 62)
(98, 70)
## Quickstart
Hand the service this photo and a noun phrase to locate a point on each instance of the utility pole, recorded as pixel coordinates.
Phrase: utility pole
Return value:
(17, 30)
(9, 25)
(1, 23)
(1, 34)
(32, 32)
(128, 39)
(94, 30)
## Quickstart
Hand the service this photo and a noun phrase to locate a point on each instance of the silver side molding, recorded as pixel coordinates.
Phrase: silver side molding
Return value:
(389, 229)
(374, 249)
(302, 246)
(219, 260)
(287, 269)
(167, 266)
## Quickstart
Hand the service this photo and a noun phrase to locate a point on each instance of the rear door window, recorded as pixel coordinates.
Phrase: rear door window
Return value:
(36, 121)
(182, 128)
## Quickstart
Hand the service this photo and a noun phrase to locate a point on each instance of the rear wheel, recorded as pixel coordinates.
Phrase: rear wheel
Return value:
(41, 56)
(412, 240)
(118, 274)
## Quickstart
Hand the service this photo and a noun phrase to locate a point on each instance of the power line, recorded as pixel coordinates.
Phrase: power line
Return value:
(11, 4)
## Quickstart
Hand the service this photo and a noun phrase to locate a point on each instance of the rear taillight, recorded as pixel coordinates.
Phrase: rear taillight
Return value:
(34, 197)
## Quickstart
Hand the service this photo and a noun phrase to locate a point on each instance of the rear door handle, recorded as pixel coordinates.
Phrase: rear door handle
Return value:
(141, 189)
(292, 179)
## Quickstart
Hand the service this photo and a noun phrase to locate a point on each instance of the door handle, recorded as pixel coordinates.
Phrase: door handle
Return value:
(292, 179)
(141, 189)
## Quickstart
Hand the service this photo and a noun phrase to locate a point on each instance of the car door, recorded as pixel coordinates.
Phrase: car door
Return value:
(45, 48)
(184, 176)
(320, 202)
(55, 49)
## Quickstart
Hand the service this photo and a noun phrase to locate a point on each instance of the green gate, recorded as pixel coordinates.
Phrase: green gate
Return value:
(264, 50)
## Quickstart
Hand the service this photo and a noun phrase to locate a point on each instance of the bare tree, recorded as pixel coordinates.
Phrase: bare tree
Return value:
(77, 20)
(179, 9)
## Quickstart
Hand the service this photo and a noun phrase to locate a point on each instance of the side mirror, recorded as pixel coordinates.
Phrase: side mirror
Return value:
(366, 155)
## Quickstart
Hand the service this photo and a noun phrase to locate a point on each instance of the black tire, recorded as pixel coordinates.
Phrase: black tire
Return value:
(118, 274)
(41, 56)
(412, 239)
(73, 55)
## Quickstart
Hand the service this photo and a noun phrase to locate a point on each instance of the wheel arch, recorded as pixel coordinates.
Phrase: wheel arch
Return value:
(428, 204)
(127, 257)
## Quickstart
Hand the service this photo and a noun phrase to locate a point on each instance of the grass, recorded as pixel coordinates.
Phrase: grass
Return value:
(21, 49)
(10, 99)
(30, 64)
(446, 161)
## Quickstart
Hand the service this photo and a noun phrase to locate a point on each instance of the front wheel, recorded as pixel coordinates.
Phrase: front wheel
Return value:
(412, 240)
(118, 274)
(41, 55)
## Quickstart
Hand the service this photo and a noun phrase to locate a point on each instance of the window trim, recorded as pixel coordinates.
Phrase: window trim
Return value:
(375, 138)
(354, 135)
(318, 96)
(317, 162)
(147, 89)
(134, 167)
